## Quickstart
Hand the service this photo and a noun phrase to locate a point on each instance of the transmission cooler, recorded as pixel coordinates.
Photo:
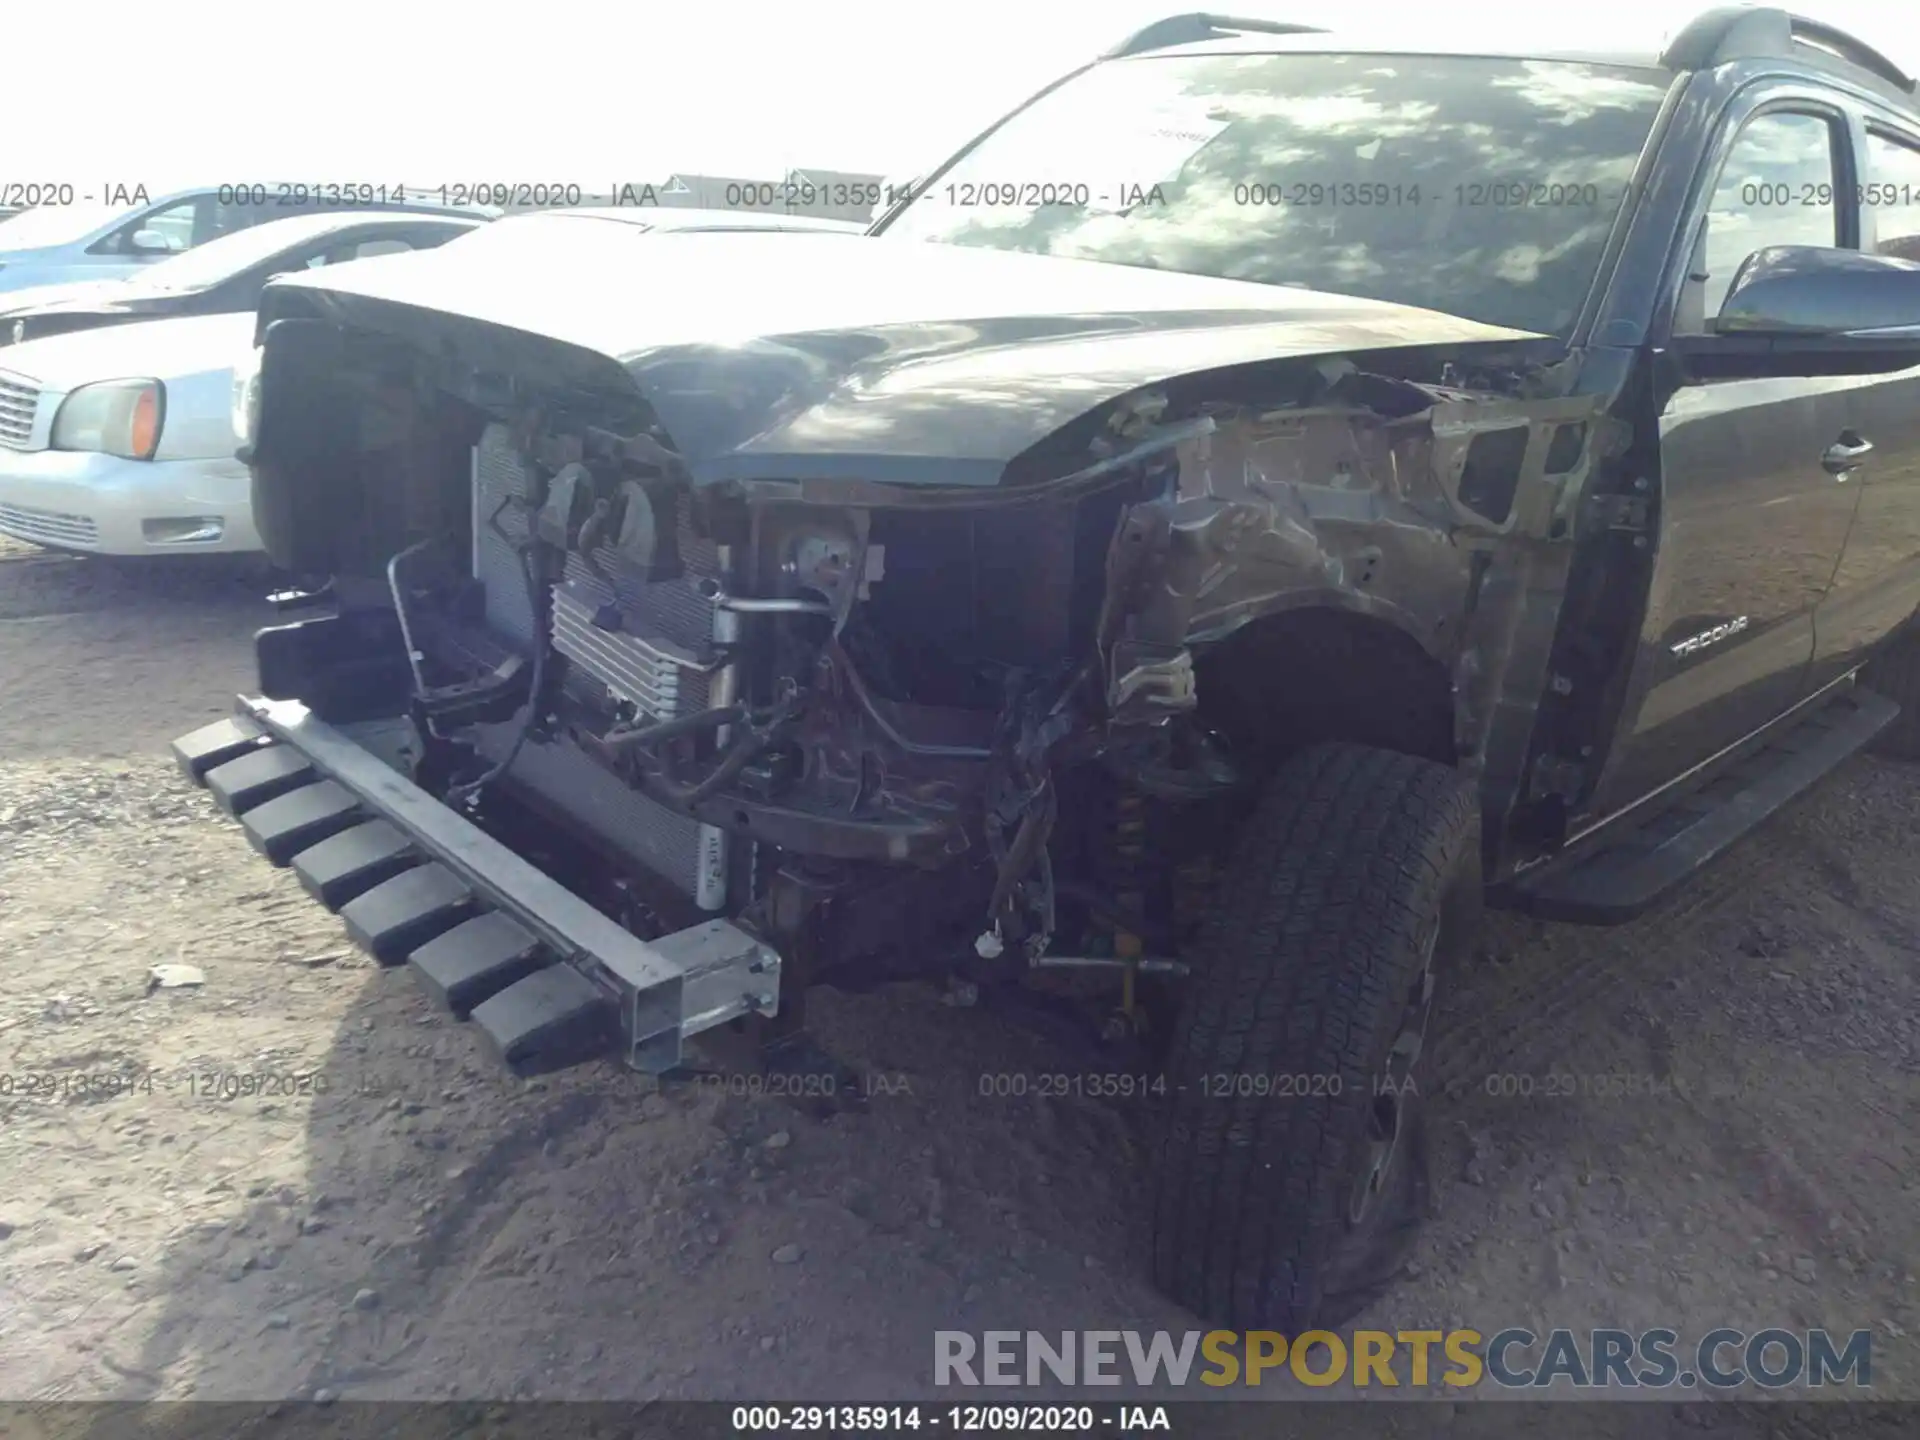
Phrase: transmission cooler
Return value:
(660, 659)
(546, 978)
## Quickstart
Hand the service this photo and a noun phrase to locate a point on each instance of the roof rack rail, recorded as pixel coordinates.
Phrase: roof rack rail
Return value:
(1192, 28)
(1745, 32)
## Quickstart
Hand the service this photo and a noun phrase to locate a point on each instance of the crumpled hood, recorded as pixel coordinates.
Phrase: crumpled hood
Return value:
(156, 349)
(772, 356)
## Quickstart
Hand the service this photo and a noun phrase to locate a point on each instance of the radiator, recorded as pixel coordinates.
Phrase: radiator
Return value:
(660, 660)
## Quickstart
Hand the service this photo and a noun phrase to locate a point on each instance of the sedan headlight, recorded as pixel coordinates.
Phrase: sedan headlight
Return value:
(246, 397)
(115, 417)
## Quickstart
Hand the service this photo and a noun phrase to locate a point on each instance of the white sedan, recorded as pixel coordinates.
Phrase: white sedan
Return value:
(120, 441)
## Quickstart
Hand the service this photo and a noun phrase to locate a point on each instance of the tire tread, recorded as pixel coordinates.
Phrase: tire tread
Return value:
(1338, 871)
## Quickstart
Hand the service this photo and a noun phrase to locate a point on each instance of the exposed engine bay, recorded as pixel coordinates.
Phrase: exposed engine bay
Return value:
(893, 724)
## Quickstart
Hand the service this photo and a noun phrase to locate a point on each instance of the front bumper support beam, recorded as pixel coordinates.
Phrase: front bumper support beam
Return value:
(428, 877)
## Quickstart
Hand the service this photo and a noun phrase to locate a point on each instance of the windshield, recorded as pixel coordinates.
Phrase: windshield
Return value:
(58, 224)
(1480, 187)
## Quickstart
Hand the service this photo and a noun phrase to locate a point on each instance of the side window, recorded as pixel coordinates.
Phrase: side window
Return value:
(360, 250)
(230, 218)
(1778, 188)
(175, 223)
(1891, 195)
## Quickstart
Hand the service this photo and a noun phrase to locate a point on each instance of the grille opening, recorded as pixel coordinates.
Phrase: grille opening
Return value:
(19, 401)
(50, 527)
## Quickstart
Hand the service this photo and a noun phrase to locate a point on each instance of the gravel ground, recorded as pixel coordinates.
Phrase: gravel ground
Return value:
(429, 1227)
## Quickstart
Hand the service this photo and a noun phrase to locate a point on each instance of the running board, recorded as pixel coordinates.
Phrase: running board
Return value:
(547, 979)
(1618, 876)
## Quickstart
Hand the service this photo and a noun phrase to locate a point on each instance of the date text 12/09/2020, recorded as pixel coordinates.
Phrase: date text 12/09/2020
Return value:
(556, 194)
(961, 1419)
(296, 1082)
(1278, 194)
(1010, 194)
(204, 1084)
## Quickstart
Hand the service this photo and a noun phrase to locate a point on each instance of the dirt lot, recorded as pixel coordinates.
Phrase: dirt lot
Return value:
(431, 1228)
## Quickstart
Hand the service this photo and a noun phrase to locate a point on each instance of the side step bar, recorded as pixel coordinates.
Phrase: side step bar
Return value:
(547, 979)
(1618, 876)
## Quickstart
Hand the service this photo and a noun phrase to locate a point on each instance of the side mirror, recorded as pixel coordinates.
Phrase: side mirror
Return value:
(1812, 290)
(1812, 310)
(154, 242)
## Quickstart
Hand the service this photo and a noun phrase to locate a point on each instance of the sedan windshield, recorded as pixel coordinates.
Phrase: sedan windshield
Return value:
(1480, 187)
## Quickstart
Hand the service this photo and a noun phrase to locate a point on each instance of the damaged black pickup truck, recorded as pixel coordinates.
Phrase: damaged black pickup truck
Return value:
(1264, 498)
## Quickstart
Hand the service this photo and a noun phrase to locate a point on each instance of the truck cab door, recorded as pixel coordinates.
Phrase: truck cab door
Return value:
(1752, 523)
(1876, 589)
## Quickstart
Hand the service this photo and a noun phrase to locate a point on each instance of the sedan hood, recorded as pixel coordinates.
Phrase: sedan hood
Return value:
(159, 349)
(772, 356)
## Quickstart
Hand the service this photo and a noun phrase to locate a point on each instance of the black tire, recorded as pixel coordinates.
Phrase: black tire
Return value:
(1895, 673)
(1356, 879)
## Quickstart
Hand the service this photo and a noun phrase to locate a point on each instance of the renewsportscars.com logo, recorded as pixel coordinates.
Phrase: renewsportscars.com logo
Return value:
(1514, 1358)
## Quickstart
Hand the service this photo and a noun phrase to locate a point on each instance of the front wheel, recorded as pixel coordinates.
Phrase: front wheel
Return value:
(1292, 1166)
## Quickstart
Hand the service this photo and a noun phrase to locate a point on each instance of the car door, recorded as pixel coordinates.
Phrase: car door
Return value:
(1877, 586)
(1752, 526)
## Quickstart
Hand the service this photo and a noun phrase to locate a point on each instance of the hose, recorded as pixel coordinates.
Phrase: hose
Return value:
(618, 739)
(400, 610)
(860, 693)
(460, 794)
(754, 741)
(739, 755)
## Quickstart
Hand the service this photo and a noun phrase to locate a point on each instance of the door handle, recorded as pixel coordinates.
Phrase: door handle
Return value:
(1845, 454)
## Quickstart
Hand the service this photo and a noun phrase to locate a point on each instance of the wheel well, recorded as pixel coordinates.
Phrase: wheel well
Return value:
(1305, 676)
